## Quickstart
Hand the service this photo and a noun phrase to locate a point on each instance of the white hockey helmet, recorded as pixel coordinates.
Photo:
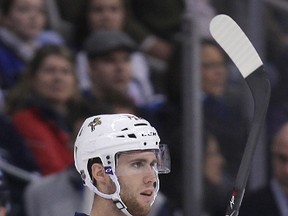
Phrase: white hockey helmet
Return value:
(104, 136)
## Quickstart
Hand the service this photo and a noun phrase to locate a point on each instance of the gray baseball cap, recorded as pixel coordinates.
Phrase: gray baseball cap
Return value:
(102, 42)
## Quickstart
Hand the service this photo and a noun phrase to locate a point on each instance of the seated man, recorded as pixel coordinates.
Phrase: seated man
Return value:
(271, 199)
(119, 157)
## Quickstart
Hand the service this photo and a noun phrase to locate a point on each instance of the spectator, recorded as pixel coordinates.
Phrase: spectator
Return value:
(272, 198)
(276, 46)
(110, 15)
(278, 108)
(214, 176)
(224, 109)
(101, 15)
(109, 55)
(39, 107)
(21, 33)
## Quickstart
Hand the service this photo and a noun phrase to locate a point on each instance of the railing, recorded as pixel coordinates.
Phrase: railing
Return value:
(17, 172)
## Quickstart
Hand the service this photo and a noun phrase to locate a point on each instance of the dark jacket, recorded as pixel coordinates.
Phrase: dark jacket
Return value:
(11, 66)
(260, 203)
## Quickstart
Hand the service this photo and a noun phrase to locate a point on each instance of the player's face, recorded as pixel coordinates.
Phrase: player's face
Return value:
(280, 160)
(137, 178)
(213, 70)
(26, 18)
(106, 14)
(55, 80)
(112, 72)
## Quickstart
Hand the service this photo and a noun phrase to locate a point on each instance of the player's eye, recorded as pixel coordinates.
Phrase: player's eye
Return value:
(138, 164)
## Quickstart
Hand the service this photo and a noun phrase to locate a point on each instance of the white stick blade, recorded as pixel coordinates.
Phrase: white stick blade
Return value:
(235, 43)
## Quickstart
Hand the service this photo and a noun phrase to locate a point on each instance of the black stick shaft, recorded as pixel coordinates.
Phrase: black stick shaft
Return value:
(260, 90)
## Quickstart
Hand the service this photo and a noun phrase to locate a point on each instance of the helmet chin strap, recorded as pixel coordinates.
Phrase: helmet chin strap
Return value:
(115, 196)
(157, 186)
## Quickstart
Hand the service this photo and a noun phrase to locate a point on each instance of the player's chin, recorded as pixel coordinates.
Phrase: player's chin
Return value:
(146, 198)
(146, 205)
(141, 210)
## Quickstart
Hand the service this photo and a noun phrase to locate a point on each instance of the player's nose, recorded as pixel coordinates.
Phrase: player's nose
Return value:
(150, 175)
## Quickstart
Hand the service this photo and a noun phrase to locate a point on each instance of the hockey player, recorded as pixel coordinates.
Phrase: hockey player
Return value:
(119, 158)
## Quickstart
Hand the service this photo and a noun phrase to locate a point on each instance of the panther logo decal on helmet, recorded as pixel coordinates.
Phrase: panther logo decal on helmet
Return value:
(96, 121)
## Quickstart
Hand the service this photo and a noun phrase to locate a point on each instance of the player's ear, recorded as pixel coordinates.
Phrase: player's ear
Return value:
(98, 173)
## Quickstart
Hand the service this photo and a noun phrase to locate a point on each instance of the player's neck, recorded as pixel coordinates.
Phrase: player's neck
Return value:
(104, 207)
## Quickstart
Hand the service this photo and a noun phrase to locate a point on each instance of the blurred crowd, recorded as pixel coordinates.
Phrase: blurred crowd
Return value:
(62, 61)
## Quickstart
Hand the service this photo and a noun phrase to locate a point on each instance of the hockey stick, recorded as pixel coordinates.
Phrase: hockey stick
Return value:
(238, 47)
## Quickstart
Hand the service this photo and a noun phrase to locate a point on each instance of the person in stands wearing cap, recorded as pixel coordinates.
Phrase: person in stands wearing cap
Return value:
(110, 72)
(119, 157)
(111, 15)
